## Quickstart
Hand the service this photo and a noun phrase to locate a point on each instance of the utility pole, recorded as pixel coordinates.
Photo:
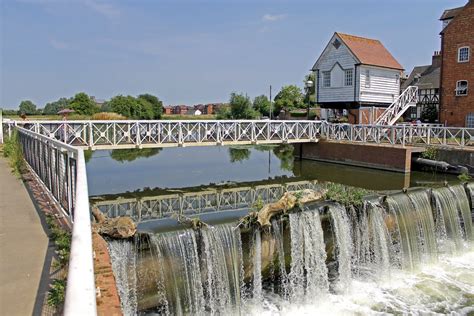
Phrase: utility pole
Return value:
(271, 102)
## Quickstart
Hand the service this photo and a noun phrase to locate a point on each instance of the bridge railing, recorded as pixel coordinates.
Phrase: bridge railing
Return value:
(61, 169)
(413, 135)
(106, 134)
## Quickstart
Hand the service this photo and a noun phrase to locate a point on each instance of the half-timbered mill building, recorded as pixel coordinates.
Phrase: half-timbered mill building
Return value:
(457, 67)
(426, 78)
(357, 77)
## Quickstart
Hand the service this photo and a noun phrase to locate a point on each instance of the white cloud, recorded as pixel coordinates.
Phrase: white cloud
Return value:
(273, 17)
(59, 45)
(106, 9)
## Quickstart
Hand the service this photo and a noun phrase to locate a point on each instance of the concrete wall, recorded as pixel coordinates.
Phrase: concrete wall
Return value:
(372, 156)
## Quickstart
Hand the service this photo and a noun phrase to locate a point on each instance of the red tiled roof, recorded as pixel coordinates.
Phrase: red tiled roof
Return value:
(370, 51)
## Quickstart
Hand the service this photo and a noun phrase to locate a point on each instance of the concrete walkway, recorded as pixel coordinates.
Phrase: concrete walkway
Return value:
(23, 246)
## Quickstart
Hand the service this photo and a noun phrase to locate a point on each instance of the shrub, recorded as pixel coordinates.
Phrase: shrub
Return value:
(57, 292)
(107, 116)
(345, 195)
(13, 151)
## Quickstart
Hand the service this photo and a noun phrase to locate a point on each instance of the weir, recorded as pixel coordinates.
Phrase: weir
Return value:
(321, 252)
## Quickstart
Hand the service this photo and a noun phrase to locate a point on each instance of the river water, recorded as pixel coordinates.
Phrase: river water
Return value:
(120, 171)
(413, 255)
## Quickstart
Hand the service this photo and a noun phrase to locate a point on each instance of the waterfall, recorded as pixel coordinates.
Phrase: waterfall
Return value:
(462, 199)
(223, 264)
(257, 268)
(278, 235)
(407, 222)
(123, 256)
(308, 275)
(178, 255)
(342, 233)
(449, 230)
(202, 272)
(422, 208)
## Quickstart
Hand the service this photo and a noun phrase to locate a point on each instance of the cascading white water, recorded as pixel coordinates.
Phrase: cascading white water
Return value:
(180, 259)
(283, 276)
(257, 268)
(222, 262)
(202, 272)
(123, 256)
(308, 275)
(450, 233)
(342, 233)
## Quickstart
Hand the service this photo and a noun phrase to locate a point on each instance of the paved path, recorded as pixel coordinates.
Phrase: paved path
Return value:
(23, 246)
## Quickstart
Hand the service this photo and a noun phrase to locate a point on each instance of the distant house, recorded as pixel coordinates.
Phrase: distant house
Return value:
(168, 110)
(427, 79)
(357, 77)
(457, 66)
(180, 110)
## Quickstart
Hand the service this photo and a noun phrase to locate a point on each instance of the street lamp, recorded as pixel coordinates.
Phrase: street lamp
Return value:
(307, 88)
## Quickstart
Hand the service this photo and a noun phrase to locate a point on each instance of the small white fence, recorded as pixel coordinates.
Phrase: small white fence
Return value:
(61, 169)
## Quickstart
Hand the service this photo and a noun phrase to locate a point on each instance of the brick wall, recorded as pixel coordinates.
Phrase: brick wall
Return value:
(363, 155)
(460, 32)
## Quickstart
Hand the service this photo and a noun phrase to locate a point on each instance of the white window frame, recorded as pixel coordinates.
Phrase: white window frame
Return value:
(348, 77)
(458, 90)
(470, 120)
(468, 54)
(367, 78)
(326, 79)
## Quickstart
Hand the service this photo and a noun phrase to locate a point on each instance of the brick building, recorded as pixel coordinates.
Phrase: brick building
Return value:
(457, 67)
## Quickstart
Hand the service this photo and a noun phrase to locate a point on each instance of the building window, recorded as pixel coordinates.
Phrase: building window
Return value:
(348, 77)
(367, 78)
(463, 54)
(470, 120)
(461, 87)
(326, 79)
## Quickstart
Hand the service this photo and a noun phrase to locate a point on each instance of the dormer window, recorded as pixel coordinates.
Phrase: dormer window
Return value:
(461, 87)
(463, 54)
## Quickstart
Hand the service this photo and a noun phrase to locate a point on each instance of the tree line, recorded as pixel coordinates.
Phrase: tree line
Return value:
(242, 107)
(144, 106)
(148, 106)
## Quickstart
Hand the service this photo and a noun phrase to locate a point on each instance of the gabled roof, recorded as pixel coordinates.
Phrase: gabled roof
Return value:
(450, 13)
(369, 51)
(424, 77)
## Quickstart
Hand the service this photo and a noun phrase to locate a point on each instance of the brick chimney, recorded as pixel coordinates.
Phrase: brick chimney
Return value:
(436, 59)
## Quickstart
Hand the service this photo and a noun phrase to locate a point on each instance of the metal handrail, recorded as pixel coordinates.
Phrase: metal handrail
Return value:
(61, 169)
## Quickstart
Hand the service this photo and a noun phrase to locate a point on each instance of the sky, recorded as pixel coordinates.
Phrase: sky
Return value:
(190, 52)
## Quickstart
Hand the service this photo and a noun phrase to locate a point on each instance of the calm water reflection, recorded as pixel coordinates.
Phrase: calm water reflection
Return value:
(119, 171)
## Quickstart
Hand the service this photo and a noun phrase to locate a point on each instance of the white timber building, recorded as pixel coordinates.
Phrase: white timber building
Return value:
(356, 79)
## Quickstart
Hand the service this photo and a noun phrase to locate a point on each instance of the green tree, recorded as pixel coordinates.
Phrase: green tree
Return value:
(289, 98)
(131, 107)
(156, 104)
(262, 105)
(429, 113)
(83, 104)
(240, 107)
(56, 106)
(27, 107)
